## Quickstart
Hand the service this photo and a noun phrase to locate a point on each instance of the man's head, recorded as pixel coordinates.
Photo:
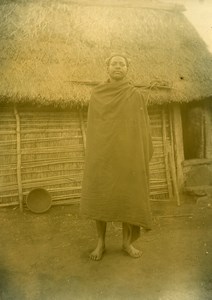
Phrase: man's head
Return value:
(117, 67)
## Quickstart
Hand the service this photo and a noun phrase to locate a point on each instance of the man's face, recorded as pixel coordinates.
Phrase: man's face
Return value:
(117, 68)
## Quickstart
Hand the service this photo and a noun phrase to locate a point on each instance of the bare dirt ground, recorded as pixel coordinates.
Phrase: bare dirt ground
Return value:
(45, 256)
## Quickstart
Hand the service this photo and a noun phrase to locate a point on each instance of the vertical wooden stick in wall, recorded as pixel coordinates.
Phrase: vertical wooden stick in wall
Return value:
(178, 144)
(82, 125)
(166, 154)
(18, 138)
(208, 130)
(174, 177)
(172, 161)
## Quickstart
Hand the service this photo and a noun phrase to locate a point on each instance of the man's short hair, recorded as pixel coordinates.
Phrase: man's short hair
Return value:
(127, 60)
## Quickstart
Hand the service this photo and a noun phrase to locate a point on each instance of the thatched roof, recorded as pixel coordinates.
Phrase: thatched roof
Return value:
(47, 47)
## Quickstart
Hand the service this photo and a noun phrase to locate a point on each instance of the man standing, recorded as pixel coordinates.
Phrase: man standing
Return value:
(119, 147)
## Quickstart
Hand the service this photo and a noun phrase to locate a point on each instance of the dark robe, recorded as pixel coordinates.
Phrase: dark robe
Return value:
(119, 147)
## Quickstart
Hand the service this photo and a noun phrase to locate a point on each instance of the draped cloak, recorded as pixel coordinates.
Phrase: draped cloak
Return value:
(118, 149)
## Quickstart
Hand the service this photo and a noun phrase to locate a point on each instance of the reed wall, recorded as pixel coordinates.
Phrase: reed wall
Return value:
(52, 149)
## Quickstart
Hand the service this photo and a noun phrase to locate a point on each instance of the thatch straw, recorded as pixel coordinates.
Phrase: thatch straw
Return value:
(47, 47)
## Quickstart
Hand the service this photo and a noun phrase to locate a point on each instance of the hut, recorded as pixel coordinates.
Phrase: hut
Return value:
(51, 55)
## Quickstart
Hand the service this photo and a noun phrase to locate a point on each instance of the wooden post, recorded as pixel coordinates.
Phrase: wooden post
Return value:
(82, 125)
(202, 149)
(166, 153)
(208, 131)
(172, 160)
(178, 144)
(174, 177)
(18, 138)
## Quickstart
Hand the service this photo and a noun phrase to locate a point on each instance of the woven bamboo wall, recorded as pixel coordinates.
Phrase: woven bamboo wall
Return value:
(8, 157)
(160, 171)
(52, 153)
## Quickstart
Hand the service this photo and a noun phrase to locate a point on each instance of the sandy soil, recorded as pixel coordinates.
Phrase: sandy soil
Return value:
(45, 256)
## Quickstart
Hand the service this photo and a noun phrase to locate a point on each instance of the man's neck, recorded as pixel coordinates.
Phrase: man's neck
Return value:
(117, 80)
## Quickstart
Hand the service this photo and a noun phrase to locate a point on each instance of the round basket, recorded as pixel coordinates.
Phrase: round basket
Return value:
(39, 200)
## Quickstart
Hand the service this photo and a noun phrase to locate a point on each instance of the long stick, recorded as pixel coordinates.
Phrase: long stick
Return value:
(178, 144)
(207, 131)
(176, 216)
(82, 124)
(165, 154)
(174, 178)
(8, 204)
(18, 136)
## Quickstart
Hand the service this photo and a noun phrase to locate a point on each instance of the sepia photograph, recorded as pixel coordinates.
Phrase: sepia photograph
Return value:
(105, 149)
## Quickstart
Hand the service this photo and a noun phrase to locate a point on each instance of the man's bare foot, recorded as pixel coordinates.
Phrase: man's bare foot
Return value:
(133, 252)
(97, 253)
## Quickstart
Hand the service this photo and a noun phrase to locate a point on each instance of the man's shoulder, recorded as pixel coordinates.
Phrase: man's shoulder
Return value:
(99, 86)
(140, 93)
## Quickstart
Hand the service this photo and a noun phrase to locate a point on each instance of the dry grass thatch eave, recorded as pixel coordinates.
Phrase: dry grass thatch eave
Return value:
(144, 4)
(45, 46)
(80, 95)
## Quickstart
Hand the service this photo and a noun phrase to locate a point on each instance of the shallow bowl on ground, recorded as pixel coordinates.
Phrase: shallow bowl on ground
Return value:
(39, 200)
